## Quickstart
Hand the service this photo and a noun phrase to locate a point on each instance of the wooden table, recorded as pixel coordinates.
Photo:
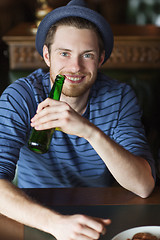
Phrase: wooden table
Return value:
(135, 47)
(124, 208)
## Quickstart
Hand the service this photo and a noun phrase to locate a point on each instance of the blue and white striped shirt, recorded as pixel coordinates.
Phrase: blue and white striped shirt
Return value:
(71, 161)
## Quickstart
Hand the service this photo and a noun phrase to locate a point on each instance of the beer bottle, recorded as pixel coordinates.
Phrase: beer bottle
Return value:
(39, 140)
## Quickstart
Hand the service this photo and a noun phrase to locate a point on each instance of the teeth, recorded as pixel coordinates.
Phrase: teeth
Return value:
(74, 79)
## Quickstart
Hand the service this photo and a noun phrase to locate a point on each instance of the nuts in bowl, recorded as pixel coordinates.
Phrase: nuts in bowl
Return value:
(140, 233)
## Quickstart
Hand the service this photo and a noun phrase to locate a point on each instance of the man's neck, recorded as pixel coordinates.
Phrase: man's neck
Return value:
(79, 104)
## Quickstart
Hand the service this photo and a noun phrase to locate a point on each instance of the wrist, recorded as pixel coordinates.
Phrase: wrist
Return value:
(47, 220)
(51, 225)
(92, 133)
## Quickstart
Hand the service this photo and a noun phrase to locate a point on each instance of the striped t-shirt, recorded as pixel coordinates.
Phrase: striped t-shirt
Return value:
(71, 161)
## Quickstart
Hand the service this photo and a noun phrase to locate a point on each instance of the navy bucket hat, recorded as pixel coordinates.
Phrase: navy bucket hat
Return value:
(75, 8)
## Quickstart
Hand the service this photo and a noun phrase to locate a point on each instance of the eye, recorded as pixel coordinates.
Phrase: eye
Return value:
(64, 54)
(88, 55)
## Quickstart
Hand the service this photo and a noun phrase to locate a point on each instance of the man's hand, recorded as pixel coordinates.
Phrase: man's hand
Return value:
(57, 114)
(130, 171)
(15, 204)
(79, 227)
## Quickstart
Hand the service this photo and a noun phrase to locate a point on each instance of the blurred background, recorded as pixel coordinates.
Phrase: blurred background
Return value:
(132, 20)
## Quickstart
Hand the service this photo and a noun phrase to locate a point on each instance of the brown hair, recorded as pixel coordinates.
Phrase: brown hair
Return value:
(77, 22)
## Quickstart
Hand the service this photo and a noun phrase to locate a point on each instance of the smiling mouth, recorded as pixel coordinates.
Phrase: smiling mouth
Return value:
(75, 79)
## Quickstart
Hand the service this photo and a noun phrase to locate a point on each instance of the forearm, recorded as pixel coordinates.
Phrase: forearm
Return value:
(132, 172)
(15, 204)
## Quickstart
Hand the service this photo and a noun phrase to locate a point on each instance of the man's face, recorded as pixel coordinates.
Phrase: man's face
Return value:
(75, 54)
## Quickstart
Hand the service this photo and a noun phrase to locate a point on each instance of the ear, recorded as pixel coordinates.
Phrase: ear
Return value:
(46, 55)
(101, 60)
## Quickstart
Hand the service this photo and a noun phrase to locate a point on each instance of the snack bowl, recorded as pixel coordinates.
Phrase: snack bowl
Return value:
(128, 234)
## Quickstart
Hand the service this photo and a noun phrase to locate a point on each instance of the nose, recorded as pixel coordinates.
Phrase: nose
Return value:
(76, 64)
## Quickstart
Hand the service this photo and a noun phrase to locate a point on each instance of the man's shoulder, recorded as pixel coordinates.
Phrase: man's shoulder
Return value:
(35, 78)
(26, 91)
(34, 82)
(106, 84)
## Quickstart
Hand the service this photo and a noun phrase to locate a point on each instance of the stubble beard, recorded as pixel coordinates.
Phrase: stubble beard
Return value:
(74, 90)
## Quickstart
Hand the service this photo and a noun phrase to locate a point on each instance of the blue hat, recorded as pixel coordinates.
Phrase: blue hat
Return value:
(75, 8)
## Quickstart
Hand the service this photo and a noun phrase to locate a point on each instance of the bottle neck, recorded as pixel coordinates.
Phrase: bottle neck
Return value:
(56, 90)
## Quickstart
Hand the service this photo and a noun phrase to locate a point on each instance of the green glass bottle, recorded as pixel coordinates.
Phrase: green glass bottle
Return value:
(39, 140)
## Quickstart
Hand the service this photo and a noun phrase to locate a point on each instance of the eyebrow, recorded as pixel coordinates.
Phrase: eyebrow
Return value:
(69, 50)
(63, 49)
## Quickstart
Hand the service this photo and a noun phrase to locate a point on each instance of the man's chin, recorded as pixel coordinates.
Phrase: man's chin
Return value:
(74, 93)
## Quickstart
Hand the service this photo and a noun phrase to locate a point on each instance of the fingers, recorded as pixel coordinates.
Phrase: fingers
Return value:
(47, 102)
(93, 227)
(47, 113)
(99, 224)
(56, 114)
(79, 227)
(105, 223)
(84, 232)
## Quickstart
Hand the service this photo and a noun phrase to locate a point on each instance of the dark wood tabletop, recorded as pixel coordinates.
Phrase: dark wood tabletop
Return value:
(91, 196)
(125, 209)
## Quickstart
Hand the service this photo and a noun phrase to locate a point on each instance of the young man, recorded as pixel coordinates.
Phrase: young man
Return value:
(101, 137)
